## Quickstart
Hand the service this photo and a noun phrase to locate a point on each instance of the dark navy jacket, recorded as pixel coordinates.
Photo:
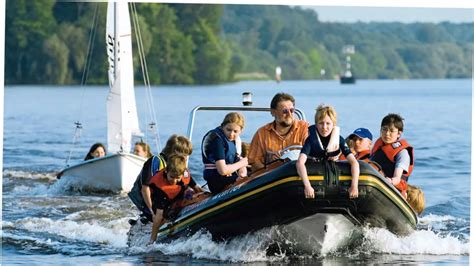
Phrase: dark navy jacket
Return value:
(312, 147)
(215, 146)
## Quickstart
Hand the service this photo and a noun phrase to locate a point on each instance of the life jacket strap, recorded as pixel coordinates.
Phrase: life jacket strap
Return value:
(209, 166)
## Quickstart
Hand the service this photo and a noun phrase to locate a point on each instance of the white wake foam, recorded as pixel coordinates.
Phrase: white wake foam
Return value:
(419, 242)
(71, 183)
(112, 233)
(248, 248)
(28, 175)
(252, 247)
(430, 218)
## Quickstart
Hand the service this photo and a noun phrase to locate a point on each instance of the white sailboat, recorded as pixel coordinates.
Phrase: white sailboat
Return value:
(118, 170)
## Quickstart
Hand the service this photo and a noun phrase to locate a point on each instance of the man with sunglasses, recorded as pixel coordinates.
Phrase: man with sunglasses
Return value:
(284, 131)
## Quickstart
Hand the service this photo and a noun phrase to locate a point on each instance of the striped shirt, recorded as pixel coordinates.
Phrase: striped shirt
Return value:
(267, 142)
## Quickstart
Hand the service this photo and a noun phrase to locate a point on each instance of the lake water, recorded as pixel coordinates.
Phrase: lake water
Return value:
(47, 221)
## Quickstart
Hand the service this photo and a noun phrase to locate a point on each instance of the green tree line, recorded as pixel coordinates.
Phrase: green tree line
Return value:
(296, 40)
(47, 43)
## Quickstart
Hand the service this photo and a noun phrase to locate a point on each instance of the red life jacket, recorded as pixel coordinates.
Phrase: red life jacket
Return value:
(363, 156)
(384, 154)
(402, 187)
(159, 181)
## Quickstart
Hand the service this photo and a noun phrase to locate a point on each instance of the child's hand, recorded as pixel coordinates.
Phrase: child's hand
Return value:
(240, 179)
(353, 192)
(309, 192)
(244, 161)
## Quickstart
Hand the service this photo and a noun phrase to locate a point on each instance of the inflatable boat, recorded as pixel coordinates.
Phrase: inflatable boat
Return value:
(277, 198)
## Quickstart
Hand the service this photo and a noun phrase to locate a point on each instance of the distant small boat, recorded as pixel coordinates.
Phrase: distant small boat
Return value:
(348, 77)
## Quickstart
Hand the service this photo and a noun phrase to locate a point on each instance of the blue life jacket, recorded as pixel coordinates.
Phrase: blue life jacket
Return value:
(206, 147)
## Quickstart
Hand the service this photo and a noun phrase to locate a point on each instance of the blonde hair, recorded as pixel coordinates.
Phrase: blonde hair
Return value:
(416, 198)
(176, 165)
(146, 148)
(234, 117)
(178, 144)
(324, 110)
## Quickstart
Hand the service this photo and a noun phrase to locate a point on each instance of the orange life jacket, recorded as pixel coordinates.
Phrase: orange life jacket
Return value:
(363, 156)
(159, 181)
(402, 187)
(384, 154)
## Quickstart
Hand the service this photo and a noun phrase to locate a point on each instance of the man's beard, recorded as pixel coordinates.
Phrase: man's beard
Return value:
(285, 123)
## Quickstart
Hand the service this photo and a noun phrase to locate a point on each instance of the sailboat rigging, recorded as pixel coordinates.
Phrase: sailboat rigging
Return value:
(118, 170)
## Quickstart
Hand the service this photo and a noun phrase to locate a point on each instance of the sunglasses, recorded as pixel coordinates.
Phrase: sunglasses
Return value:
(287, 111)
(387, 129)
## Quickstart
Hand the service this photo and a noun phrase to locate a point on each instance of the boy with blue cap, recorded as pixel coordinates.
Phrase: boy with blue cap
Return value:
(361, 140)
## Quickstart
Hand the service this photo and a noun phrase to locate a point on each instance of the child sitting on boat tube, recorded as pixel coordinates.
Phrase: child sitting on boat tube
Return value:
(393, 154)
(167, 186)
(325, 143)
(221, 149)
(360, 142)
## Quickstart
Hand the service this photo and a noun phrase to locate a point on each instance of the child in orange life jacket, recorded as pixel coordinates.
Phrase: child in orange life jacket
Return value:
(167, 186)
(393, 154)
(140, 193)
(325, 143)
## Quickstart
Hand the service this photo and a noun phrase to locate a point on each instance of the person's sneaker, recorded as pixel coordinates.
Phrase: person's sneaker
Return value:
(145, 218)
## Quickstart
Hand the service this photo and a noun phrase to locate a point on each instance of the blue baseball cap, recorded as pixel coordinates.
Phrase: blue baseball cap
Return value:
(361, 133)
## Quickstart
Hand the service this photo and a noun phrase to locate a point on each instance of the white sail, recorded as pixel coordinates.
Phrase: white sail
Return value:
(122, 118)
(119, 169)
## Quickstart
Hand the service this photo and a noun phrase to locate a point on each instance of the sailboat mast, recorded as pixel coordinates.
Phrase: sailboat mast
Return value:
(122, 118)
(115, 41)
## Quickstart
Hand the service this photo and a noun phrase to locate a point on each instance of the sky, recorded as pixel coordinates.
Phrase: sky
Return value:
(405, 11)
(392, 14)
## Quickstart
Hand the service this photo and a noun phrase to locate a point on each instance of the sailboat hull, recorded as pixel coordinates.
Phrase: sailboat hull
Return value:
(115, 172)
